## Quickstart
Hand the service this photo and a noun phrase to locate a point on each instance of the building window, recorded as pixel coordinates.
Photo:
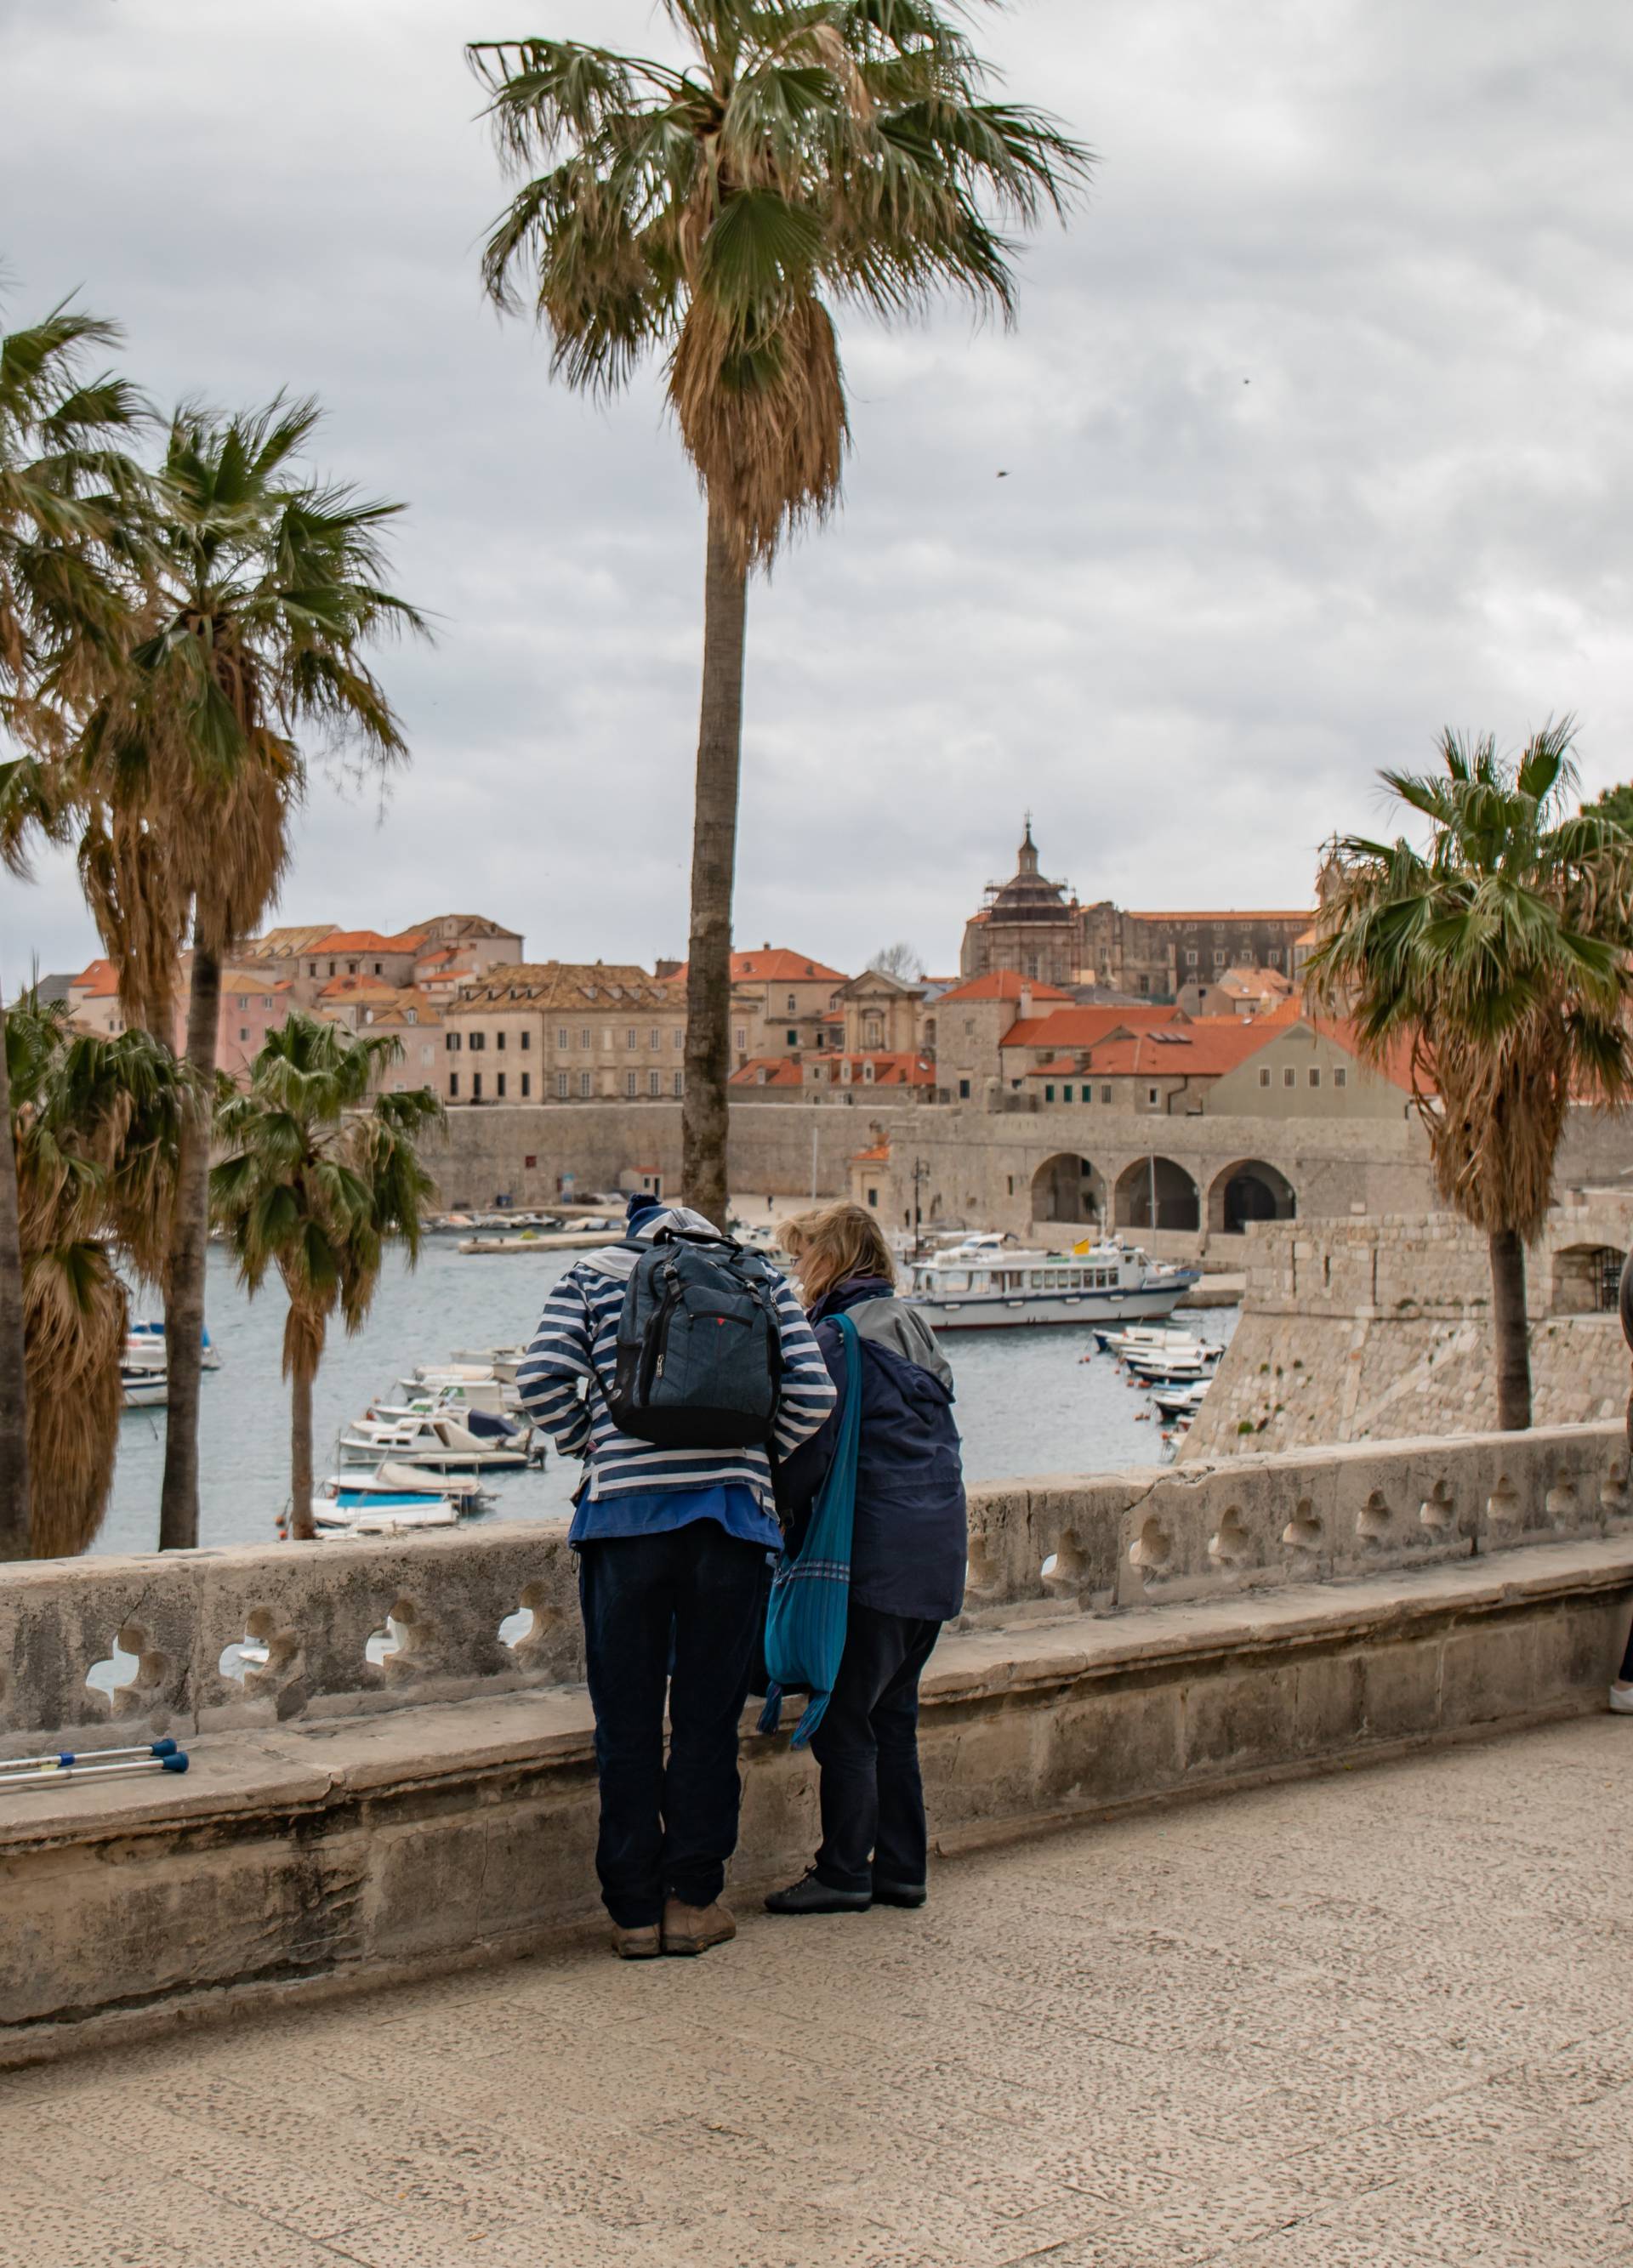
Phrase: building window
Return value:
(563, 1039)
(793, 1039)
(312, 969)
(873, 1199)
(1150, 1096)
(499, 1039)
(1190, 959)
(1315, 1076)
(1105, 1095)
(498, 1087)
(527, 1084)
(794, 1005)
(584, 1037)
(1144, 984)
(631, 1038)
(454, 1043)
(630, 1084)
(1272, 957)
(1264, 1076)
(677, 1037)
(1220, 957)
(331, 968)
(243, 1031)
(740, 1039)
(562, 1081)
(379, 969)
(1065, 1094)
(476, 1086)
(680, 1084)
(243, 1000)
(1049, 1094)
(655, 1039)
(477, 1041)
(584, 1085)
(1289, 1077)
(654, 1082)
(410, 1015)
(964, 1090)
(526, 1042)
(454, 1085)
(1340, 1077)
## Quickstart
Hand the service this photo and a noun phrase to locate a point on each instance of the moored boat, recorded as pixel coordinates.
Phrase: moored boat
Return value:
(144, 1348)
(144, 1389)
(984, 1284)
(472, 1443)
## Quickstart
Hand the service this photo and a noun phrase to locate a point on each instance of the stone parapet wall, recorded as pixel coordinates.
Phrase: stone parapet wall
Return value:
(1368, 1329)
(492, 1610)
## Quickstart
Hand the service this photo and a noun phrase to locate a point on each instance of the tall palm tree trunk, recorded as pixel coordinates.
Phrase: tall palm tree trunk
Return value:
(184, 1273)
(13, 1390)
(1509, 1332)
(301, 1526)
(713, 858)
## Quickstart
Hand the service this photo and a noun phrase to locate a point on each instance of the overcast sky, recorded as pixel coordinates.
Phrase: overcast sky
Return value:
(1315, 425)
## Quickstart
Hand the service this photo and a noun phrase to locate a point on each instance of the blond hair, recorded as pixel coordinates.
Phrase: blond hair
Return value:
(835, 1242)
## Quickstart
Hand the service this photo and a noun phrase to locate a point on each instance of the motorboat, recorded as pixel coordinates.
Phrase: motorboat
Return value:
(384, 1515)
(501, 1362)
(1146, 1339)
(1171, 1366)
(430, 1398)
(144, 1389)
(980, 1285)
(144, 1348)
(1181, 1401)
(473, 1442)
(465, 1490)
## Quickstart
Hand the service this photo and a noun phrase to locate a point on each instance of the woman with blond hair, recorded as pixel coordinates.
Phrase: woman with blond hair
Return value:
(908, 1554)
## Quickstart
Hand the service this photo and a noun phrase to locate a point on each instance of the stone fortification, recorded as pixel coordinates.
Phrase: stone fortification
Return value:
(1368, 1329)
(349, 1818)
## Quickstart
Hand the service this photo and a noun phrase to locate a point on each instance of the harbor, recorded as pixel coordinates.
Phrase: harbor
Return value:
(1028, 1402)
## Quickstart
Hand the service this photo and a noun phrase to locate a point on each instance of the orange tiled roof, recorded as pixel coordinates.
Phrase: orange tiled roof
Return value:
(1001, 984)
(879, 1155)
(98, 980)
(367, 940)
(778, 1070)
(1081, 1027)
(367, 988)
(773, 964)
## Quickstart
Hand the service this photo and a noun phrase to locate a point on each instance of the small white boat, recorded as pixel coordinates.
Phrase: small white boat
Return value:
(386, 1515)
(463, 1488)
(1172, 1366)
(428, 1399)
(1181, 1401)
(474, 1443)
(501, 1362)
(1145, 1339)
(144, 1348)
(144, 1389)
(981, 1285)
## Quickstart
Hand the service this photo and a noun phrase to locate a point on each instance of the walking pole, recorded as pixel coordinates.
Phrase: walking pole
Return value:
(36, 1778)
(65, 1759)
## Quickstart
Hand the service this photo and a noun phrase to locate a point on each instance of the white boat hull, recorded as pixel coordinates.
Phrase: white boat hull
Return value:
(436, 1459)
(985, 1311)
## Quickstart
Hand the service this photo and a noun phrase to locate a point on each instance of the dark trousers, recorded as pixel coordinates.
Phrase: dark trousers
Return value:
(868, 1746)
(1626, 1670)
(696, 1590)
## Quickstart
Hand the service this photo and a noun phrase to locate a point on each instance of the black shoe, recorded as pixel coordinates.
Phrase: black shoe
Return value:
(807, 1896)
(899, 1894)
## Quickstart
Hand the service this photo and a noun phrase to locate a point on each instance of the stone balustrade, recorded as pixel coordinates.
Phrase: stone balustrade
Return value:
(353, 1629)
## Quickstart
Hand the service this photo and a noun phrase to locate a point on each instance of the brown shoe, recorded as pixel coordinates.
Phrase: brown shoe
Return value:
(694, 1929)
(644, 1944)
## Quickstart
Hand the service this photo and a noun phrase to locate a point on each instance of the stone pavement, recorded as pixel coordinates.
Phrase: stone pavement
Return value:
(1382, 2017)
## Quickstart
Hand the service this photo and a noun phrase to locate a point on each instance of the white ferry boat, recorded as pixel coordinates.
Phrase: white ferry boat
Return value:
(982, 1284)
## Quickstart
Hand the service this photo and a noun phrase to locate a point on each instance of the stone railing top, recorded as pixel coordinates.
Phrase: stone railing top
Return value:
(262, 1634)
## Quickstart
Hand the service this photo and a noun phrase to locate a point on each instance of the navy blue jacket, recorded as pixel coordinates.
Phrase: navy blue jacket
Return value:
(912, 1543)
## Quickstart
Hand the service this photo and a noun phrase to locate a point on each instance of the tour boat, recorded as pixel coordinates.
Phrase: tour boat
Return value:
(472, 1443)
(144, 1389)
(145, 1349)
(982, 1284)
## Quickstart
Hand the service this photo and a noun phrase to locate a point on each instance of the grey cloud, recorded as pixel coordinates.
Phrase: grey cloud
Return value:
(1186, 630)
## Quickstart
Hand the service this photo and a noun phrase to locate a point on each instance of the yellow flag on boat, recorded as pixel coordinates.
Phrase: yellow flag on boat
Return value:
(1086, 1246)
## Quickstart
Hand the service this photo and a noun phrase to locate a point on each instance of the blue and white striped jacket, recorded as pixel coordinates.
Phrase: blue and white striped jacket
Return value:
(565, 1375)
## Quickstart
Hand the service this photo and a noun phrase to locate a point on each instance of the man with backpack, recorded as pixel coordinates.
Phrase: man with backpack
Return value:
(675, 1364)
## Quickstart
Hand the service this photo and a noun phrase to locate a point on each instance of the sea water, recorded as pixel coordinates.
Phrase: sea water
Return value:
(1028, 1402)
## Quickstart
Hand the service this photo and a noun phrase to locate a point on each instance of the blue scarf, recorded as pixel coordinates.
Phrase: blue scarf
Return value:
(805, 1623)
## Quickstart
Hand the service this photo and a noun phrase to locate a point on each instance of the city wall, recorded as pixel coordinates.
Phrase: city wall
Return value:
(1367, 1330)
(354, 1818)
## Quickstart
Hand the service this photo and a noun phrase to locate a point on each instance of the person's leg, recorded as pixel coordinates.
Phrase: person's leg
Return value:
(901, 1842)
(845, 1747)
(1621, 1690)
(719, 1602)
(625, 1591)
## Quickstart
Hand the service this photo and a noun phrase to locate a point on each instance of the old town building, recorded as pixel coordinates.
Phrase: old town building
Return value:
(564, 1031)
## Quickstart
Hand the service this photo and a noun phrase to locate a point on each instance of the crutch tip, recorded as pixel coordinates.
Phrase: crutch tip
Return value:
(165, 1748)
(176, 1764)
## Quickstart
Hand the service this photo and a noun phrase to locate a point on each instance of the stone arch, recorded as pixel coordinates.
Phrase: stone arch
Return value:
(1587, 1278)
(1158, 1186)
(1250, 1190)
(1067, 1187)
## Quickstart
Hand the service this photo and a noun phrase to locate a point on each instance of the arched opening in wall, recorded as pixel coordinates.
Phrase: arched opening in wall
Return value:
(1585, 1279)
(1249, 1190)
(1157, 1193)
(1068, 1188)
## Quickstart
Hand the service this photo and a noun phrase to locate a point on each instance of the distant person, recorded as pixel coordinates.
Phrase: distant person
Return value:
(908, 1555)
(672, 1545)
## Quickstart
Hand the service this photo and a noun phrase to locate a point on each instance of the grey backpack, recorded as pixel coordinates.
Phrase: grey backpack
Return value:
(699, 1351)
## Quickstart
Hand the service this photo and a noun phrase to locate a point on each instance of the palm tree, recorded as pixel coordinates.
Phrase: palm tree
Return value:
(1496, 960)
(263, 590)
(314, 1181)
(92, 1128)
(64, 482)
(816, 153)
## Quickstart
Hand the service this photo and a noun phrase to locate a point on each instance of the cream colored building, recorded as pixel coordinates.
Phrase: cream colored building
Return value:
(564, 1031)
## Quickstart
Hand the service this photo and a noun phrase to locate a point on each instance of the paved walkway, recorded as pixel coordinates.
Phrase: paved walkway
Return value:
(1383, 2017)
